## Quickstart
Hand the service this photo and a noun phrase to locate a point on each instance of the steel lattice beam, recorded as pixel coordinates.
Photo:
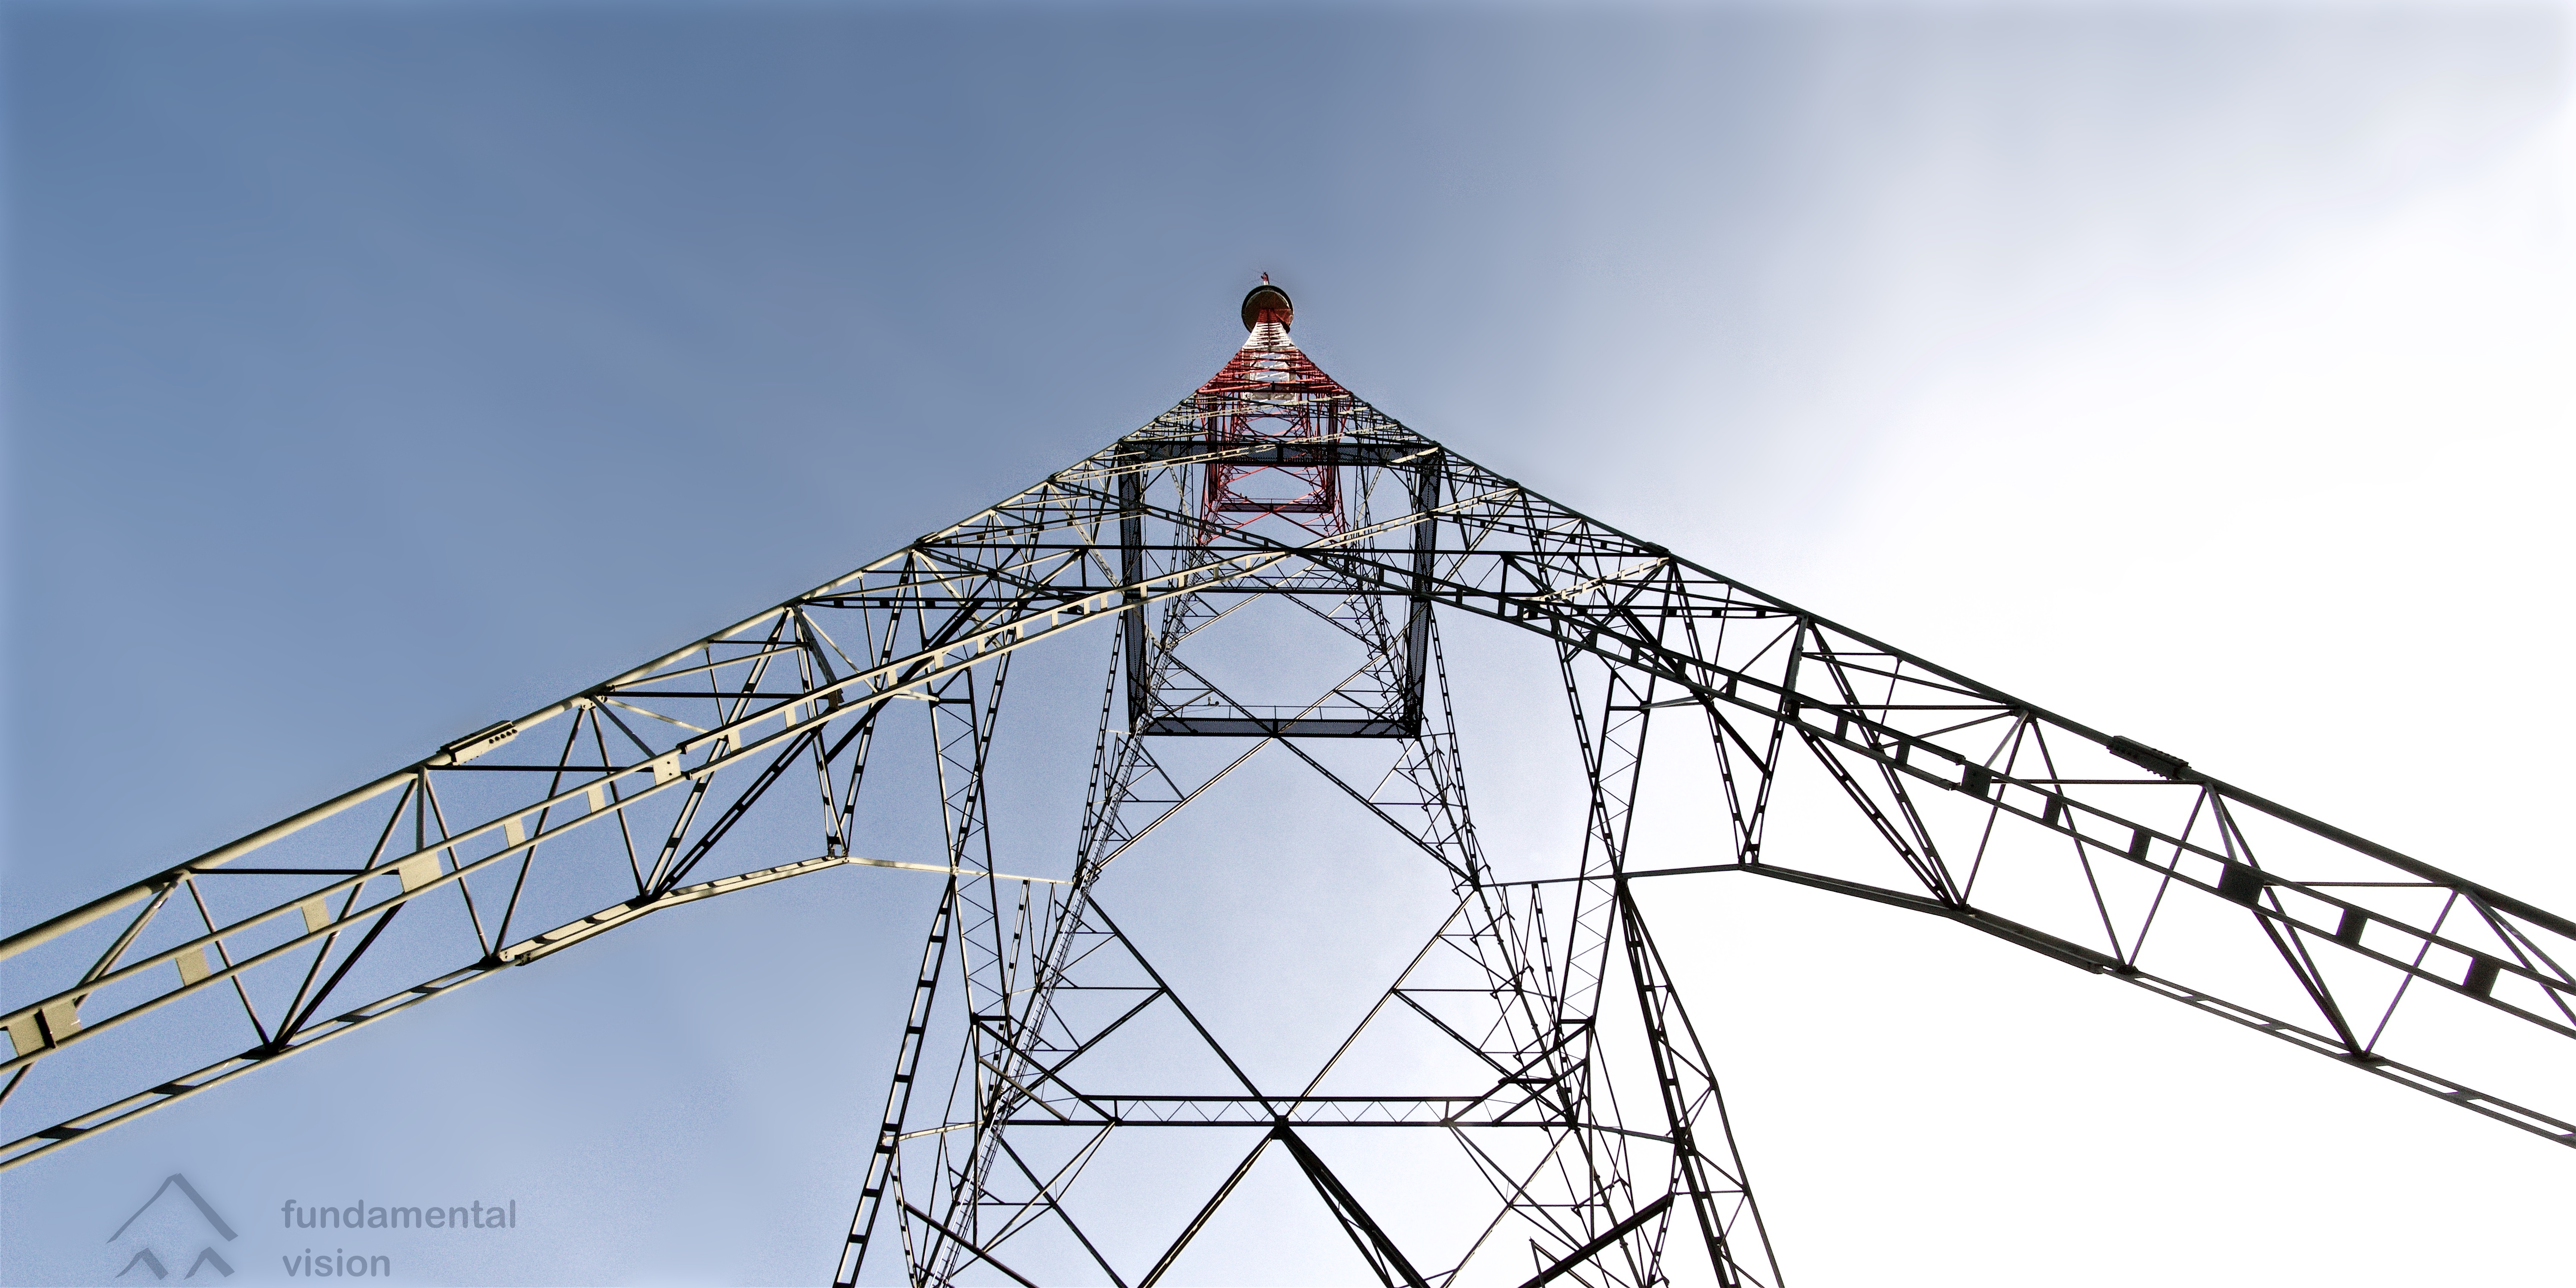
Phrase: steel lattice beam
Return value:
(528, 837)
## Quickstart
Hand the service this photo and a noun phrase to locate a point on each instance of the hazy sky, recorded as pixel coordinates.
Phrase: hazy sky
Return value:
(379, 370)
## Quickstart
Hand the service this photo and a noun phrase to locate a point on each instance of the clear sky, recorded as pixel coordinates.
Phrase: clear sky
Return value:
(378, 370)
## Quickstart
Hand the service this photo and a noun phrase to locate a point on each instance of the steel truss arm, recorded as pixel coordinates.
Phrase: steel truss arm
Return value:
(651, 771)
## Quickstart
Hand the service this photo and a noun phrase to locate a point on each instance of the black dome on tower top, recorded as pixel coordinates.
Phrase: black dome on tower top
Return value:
(1267, 303)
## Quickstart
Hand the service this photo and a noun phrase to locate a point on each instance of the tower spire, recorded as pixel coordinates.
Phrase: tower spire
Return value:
(1266, 314)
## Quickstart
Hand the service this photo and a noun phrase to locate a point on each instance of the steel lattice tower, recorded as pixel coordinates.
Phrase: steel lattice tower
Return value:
(1581, 1110)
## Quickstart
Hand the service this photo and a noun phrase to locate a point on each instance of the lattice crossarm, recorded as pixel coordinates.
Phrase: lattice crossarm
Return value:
(1941, 731)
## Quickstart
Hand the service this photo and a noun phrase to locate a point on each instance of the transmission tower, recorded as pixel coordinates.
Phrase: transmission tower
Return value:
(1268, 566)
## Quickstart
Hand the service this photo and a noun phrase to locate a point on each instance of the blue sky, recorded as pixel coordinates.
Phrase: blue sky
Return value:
(375, 371)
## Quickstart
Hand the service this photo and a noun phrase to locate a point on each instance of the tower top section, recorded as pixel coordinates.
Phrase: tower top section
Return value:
(1269, 367)
(1265, 306)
